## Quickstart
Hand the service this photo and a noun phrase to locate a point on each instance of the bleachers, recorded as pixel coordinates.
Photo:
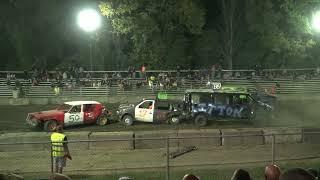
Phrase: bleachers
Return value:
(5, 91)
(44, 89)
(86, 91)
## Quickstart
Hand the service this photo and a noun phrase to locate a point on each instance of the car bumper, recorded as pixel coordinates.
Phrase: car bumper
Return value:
(119, 115)
(30, 121)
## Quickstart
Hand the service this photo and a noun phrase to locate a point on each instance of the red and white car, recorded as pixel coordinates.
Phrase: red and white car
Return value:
(69, 114)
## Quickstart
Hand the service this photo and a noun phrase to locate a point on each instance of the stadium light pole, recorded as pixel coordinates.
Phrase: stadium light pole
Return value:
(316, 21)
(89, 20)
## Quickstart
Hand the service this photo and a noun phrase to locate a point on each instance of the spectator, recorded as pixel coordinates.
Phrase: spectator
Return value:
(88, 76)
(237, 74)
(213, 71)
(65, 75)
(143, 71)
(297, 174)
(26, 74)
(178, 70)
(272, 172)
(241, 174)
(190, 177)
(131, 71)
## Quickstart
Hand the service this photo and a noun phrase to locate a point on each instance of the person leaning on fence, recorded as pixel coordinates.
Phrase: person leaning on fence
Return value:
(60, 150)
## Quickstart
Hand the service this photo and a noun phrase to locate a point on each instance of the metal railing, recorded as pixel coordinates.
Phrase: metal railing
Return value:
(166, 153)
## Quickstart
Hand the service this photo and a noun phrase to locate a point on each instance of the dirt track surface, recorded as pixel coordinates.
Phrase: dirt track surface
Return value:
(289, 113)
(97, 160)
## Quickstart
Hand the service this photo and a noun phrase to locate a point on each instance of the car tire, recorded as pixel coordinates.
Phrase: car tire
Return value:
(174, 120)
(127, 120)
(201, 120)
(50, 125)
(102, 120)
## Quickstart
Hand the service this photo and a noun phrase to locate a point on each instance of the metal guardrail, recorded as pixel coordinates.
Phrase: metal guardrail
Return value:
(169, 148)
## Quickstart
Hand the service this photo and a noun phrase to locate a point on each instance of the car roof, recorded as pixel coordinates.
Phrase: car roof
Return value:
(74, 103)
(224, 89)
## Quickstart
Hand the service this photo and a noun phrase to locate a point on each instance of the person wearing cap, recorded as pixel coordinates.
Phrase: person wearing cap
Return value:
(60, 150)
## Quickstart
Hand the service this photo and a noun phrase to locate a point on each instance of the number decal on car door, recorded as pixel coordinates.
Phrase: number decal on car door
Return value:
(74, 118)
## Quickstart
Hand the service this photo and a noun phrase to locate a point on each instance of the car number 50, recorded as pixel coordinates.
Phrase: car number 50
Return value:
(74, 118)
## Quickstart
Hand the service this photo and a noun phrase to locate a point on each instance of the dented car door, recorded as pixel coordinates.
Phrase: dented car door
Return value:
(144, 111)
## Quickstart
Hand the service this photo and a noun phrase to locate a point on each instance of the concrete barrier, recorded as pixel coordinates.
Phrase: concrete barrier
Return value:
(309, 135)
(283, 138)
(199, 142)
(25, 138)
(239, 137)
(19, 101)
(39, 101)
(153, 144)
(114, 145)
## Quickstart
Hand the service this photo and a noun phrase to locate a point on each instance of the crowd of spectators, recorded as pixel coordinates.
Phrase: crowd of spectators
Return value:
(77, 76)
(272, 172)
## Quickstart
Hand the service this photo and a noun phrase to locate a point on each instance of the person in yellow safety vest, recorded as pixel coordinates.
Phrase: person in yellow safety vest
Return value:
(60, 150)
(56, 90)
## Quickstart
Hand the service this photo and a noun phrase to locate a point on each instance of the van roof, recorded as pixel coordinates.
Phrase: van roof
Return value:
(224, 89)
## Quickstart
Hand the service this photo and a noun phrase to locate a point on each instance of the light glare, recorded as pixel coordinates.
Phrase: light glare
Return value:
(89, 20)
(316, 21)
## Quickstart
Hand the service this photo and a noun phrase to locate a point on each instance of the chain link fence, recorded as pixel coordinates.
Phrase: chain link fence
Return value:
(161, 158)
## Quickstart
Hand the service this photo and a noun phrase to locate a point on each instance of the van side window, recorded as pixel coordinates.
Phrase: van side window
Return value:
(221, 99)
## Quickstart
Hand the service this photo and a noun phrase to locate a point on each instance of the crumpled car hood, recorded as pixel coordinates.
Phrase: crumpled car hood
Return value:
(126, 106)
(46, 114)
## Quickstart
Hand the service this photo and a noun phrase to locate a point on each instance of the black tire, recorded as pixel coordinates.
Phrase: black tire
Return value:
(201, 120)
(102, 120)
(174, 120)
(50, 125)
(127, 120)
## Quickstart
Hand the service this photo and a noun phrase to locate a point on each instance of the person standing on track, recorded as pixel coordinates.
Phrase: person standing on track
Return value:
(60, 150)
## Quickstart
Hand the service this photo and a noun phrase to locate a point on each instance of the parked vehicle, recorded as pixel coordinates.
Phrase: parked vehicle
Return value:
(69, 114)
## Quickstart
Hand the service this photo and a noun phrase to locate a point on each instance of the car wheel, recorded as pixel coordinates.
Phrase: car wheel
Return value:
(127, 120)
(102, 120)
(50, 125)
(174, 120)
(201, 120)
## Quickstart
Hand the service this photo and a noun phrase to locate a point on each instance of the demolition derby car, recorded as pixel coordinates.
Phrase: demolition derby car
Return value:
(198, 105)
(69, 114)
(228, 102)
(149, 110)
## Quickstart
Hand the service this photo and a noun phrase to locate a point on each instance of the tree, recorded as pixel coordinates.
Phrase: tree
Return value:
(158, 30)
(232, 29)
(280, 30)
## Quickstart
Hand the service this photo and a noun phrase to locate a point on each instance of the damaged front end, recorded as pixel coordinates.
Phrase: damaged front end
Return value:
(125, 109)
(32, 121)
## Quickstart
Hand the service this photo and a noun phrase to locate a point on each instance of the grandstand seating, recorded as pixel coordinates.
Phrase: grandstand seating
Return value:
(44, 89)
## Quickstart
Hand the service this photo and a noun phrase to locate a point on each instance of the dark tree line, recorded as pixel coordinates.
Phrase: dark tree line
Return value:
(161, 33)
